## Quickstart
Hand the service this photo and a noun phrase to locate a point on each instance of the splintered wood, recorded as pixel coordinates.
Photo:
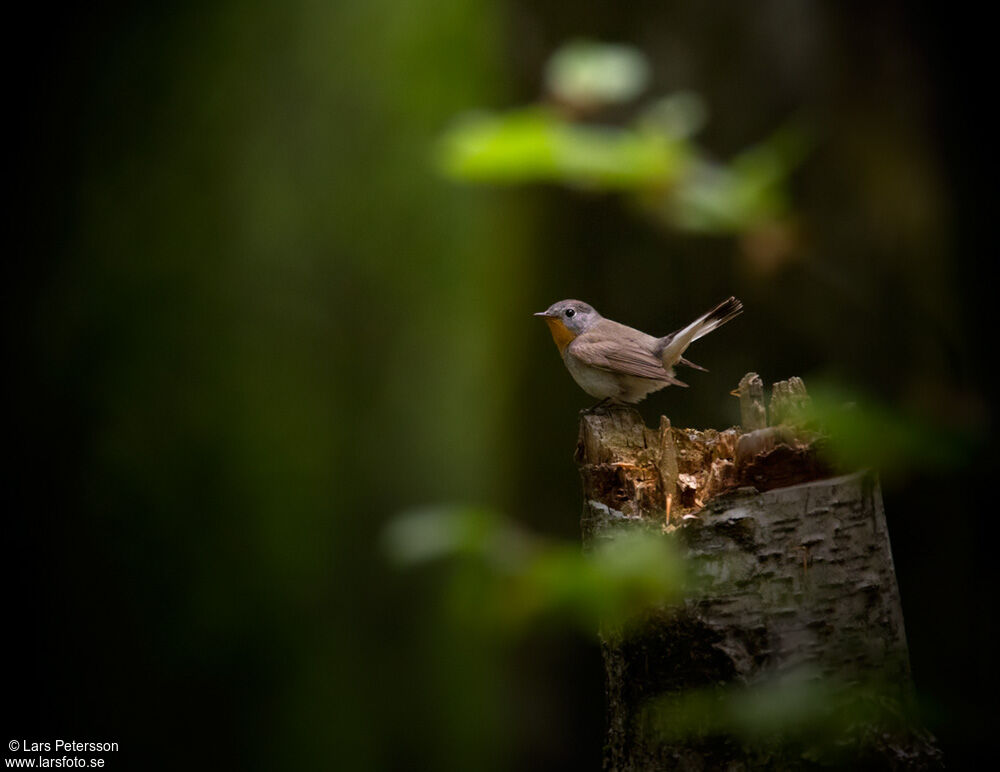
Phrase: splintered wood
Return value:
(632, 469)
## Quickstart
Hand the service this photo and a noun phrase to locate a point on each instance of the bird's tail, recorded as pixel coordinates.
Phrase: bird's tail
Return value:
(672, 347)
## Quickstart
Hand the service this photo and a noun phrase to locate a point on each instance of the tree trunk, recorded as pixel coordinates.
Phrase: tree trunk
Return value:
(791, 574)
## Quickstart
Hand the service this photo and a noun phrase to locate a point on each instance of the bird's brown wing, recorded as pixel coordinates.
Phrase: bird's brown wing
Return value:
(622, 355)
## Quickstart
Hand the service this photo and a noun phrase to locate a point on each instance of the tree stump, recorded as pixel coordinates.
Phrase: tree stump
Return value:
(792, 573)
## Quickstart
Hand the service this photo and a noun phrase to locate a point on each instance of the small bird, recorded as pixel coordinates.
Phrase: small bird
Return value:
(620, 364)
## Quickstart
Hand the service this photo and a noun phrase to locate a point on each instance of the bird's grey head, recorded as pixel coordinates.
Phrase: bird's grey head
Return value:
(575, 315)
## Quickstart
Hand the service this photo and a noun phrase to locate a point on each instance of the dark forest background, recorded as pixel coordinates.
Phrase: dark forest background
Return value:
(249, 322)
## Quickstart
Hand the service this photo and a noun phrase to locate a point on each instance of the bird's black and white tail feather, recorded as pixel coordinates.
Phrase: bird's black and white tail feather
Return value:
(672, 347)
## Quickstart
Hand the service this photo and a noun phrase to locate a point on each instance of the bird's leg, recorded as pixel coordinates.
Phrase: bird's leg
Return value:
(605, 406)
(599, 407)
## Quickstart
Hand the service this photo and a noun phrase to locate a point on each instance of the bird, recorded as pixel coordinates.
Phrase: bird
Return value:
(619, 364)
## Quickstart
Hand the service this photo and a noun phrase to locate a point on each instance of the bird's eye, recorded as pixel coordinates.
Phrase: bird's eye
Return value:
(570, 313)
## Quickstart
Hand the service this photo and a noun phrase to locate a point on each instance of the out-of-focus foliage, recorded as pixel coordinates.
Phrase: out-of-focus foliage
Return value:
(798, 705)
(749, 191)
(539, 145)
(824, 716)
(861, 431)
(680, 115)
(522, 577)
(655, 159)
(589, 75)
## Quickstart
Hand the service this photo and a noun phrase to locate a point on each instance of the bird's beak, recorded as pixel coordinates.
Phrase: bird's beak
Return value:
(734, 393)
(544, 314)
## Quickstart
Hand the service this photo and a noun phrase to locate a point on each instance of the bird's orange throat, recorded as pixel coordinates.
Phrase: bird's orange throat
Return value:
(561, 334)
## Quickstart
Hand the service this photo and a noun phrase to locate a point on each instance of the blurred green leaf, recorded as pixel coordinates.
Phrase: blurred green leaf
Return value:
(422, 536)
(863, 432)
(589, 74)
(536, 145)
(799, 705)
(680, 115)
(751, 190)
(671, 178)
(610, 585)
(519, 577)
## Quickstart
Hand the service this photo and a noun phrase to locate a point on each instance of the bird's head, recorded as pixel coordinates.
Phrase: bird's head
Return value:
(567, 319)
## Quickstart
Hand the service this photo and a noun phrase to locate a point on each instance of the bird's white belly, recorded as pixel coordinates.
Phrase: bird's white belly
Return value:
(597, 383)
(603, 384)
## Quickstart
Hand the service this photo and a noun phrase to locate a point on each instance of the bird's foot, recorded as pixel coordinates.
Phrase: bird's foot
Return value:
(605, 406)
(597, 409)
